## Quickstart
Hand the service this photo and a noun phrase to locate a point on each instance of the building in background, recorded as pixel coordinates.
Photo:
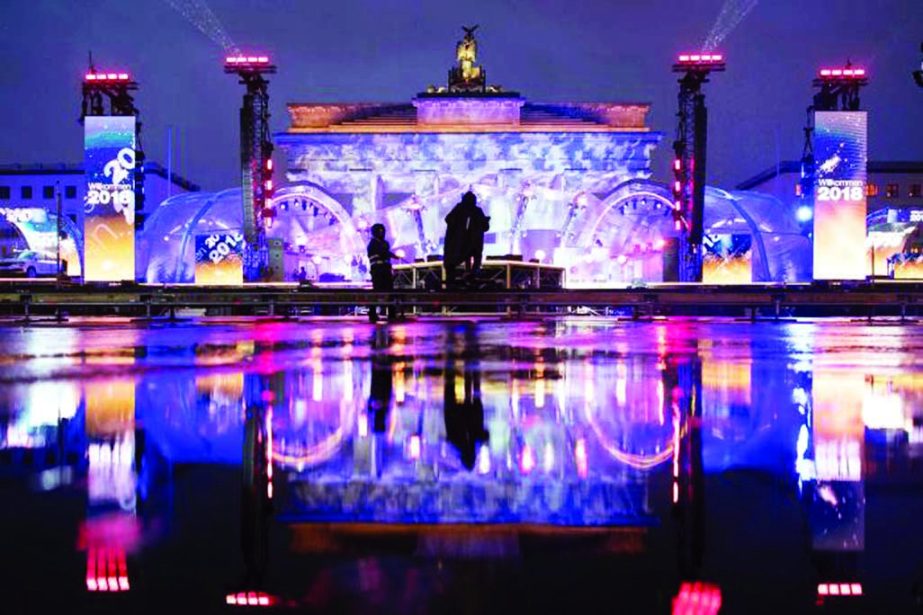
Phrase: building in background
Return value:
(894, 246)
(892, 185)
(28, 206)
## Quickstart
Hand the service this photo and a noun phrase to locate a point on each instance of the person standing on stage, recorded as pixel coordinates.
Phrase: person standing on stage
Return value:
(380, 255)
(464, 237)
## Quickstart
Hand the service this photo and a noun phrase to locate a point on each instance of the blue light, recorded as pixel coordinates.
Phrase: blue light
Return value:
(804, 213)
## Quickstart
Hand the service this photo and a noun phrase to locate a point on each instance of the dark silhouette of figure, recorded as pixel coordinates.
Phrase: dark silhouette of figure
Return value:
(380, 255)
(464, 237)
(464, 418)
(302, 275)
(380, 393)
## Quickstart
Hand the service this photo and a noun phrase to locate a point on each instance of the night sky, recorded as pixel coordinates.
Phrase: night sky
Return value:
(387, 50)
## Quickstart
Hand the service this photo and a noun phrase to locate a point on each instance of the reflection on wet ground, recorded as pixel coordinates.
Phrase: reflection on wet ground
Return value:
(463, 466)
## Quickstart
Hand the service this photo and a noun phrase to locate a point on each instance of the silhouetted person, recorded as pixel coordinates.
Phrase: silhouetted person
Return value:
(380, 255)
(464, 237)
(302, 275)
(380, 393)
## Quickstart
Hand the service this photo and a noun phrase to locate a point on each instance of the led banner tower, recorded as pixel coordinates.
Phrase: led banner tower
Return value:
(689, 160)
(255, 161)
(113, 163)
(834, 174)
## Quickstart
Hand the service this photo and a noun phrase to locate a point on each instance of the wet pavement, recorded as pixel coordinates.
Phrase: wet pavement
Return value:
(569, 465)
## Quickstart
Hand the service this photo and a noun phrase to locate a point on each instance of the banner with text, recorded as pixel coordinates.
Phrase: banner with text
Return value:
(840, 153)
(109, 221)
(219, 259)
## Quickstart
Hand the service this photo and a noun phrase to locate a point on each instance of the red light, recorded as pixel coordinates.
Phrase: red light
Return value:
(677, 187)
(677, 164)
(90, 77)
(268, 184)
(269, 165)
(660, 244)
(697, 598)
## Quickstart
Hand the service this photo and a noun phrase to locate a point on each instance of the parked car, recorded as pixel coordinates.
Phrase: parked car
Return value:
(28, 263)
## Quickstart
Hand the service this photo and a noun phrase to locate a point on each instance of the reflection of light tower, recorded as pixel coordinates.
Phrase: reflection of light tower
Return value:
(255, 158)
(689, 162)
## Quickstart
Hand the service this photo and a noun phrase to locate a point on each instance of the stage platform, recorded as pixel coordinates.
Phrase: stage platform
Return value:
(26, 298)
(495, 274)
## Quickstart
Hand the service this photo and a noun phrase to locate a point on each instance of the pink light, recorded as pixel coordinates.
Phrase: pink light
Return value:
(263, 600)
(859, 72)
(252, 599)
(856, 589)
(112, 76)
(697, 598)
(415, 446)
(263, 59)
(717, 58)
(269, 184)
(844, 589)
(684, 58)
(527, 462)
(91, 584)
(123, 584)
(90, 77)
(825, 72)
(677, 225)
(695, 58)
(363, 425)
(677, 164)
(123, 76)
(834, 589)
(822, 589)
(660, 244)
(677, 187)
(230, 599)
(252, 59)
(837, 72)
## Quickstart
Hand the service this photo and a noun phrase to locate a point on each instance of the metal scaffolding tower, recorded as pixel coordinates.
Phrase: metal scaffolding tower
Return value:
(255, 160)
(689, 161)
